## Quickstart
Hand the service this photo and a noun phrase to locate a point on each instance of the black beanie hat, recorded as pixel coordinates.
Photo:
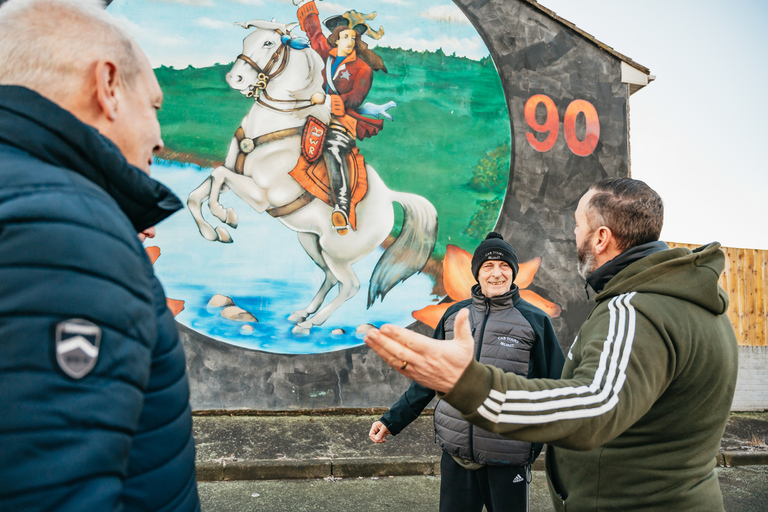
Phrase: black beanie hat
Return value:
(494, 248)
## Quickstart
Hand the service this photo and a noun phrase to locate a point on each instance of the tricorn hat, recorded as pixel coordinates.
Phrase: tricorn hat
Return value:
(341, 21)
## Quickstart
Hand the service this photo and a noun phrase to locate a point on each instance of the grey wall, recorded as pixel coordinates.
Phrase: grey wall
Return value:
(534, 54)
(223, 376)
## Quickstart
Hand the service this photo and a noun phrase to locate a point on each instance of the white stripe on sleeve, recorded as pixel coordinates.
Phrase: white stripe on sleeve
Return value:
(599, 397)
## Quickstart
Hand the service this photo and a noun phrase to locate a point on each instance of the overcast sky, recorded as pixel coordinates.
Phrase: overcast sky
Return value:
(696, 132)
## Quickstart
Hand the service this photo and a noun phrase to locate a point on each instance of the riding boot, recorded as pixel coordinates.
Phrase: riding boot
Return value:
(337, 146)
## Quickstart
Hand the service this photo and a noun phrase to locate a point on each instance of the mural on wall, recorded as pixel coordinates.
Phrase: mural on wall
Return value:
(354, 171)
(496, 112)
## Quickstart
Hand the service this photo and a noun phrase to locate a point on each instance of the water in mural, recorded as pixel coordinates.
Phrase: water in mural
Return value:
(425, 105)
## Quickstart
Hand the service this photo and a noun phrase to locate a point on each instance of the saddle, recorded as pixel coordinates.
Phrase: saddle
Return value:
(310, 171)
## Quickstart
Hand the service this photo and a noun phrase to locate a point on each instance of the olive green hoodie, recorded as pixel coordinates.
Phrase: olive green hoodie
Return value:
(635, 422)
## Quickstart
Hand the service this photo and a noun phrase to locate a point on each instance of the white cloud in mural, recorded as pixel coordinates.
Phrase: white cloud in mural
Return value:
(148, 37)
(394, 2)
(168, 50)
(471, 47)
(332, 7)
(206, 22)
(445, 13)
(198, 3)
(247, 2)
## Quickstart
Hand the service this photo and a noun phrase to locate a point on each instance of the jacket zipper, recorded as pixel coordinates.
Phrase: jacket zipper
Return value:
(477, 357)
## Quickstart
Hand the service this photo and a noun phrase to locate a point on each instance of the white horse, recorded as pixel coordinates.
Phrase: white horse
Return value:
(282, 79)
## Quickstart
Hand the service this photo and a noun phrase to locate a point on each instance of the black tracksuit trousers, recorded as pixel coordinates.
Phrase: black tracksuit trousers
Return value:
(499, 488)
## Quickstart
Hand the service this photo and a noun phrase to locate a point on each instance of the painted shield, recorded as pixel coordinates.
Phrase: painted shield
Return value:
(77, 346)
(312, 139)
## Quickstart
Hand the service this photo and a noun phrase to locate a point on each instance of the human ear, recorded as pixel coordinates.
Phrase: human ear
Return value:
(602, 239)
(107, 82)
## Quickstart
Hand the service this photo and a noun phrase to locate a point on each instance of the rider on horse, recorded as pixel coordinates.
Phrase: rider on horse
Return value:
(347, 79)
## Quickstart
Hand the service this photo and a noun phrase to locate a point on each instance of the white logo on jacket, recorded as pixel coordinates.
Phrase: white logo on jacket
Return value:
(511, 341)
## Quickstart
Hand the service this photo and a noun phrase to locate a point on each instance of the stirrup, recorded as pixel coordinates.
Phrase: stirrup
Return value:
(339, 221)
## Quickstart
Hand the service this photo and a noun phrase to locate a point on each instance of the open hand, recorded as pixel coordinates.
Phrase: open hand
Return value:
(436, 364)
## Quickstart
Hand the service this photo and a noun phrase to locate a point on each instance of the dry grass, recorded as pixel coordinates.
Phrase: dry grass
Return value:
(757, 441)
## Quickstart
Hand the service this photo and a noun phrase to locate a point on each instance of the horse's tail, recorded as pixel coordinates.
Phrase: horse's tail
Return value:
(411, 249)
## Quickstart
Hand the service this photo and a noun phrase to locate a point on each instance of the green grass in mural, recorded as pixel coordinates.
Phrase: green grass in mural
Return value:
(451, 118)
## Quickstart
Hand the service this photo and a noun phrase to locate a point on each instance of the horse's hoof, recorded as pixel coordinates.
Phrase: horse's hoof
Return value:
(231, 219)
(296, 317)
(208, 233)
(223, 235)
(302, 329)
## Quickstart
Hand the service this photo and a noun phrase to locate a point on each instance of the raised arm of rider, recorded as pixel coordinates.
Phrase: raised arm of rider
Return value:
(310, 24)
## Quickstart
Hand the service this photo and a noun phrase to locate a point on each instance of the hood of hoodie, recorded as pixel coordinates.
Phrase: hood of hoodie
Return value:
(34, 124)
(681, 273)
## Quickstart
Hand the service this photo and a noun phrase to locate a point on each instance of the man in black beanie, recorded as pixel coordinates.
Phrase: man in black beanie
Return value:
(478, 467)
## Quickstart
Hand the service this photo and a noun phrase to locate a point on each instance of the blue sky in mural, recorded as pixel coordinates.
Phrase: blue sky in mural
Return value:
(203, 31)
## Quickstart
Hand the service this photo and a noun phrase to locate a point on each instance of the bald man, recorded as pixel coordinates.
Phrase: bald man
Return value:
(93, 384)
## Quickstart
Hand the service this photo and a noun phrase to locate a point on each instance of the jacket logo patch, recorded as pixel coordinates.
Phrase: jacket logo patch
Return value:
(77, 346)
(508, 341)
(517, 479)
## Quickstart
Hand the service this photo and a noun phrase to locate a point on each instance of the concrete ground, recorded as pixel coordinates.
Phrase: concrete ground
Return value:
(325, 462)
(745, 489)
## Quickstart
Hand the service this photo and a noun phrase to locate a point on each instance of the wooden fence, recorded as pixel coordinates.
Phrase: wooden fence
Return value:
(744, 279)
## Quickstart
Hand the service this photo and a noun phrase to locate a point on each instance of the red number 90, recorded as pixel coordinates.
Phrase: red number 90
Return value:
(551, 122)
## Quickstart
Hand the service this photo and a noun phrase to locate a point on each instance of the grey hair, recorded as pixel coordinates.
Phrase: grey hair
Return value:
(50, 46)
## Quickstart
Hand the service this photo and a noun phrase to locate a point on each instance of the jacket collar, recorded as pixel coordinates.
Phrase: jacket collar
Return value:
(600, 277)
(505, 301)
(38, 126)
(349, 58)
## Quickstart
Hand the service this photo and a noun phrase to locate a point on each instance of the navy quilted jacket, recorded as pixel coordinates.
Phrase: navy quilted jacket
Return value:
(119, 438)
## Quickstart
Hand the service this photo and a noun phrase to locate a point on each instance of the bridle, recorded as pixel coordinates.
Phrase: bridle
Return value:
(263, 77)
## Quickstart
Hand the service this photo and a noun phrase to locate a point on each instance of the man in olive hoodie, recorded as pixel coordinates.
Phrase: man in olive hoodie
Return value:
(635, 421)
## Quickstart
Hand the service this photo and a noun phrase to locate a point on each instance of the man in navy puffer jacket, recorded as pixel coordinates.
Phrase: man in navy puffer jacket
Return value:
(93, 387)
